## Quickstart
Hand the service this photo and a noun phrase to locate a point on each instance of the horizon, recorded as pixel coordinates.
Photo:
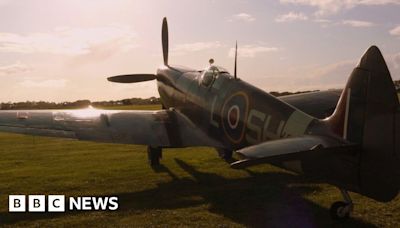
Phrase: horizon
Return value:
(69, 48)
(273, 93)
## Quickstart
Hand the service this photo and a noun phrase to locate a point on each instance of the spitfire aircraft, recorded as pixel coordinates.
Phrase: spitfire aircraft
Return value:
(356, 148)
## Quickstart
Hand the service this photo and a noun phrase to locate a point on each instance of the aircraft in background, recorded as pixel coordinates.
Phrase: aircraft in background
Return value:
(356, 148)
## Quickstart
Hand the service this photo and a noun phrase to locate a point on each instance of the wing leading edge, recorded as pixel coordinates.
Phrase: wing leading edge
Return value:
(163, 128)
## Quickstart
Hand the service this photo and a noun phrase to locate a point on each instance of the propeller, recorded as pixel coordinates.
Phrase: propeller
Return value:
(132, 78)
(164, 40)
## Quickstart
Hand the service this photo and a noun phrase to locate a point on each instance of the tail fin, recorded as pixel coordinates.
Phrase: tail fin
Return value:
(367, 114)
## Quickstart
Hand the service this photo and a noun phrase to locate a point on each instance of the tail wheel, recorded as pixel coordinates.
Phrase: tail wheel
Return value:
(225, 154)
(340, 210)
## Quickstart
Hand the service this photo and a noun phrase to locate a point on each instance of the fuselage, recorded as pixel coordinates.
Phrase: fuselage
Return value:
(238, 114)
(228, 109)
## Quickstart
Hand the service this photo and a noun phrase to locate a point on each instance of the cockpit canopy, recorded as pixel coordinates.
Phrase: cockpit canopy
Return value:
(210, 74)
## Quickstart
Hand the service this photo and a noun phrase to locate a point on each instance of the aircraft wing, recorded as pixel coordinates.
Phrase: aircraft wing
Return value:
(319, 104)
(163, 128)
(288, 149)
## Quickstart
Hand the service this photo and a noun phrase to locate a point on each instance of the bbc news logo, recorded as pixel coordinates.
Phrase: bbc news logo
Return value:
(58, 203)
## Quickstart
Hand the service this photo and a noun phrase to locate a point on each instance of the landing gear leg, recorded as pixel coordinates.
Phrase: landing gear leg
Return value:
(225, 154)
(154, 155)
(341, 210)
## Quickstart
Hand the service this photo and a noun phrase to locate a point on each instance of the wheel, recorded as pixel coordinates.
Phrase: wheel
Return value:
(154, 155)
(340, 210)
(225, 154)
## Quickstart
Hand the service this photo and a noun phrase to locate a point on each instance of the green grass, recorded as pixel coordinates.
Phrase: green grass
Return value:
(192, 188)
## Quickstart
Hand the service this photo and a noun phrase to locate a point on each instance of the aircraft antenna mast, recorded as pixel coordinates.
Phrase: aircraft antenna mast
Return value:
(234, 73)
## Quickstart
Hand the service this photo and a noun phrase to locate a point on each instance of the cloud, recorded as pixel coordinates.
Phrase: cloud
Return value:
(320, 76)
(14, 69)
(396, 60)
(4, 2)
(250, 51)
(356, 23)
(51, 83)
(395, 31)
(327, 7)
(291, 16)
(336, 74)
(393, 62)
(242, 17)
(322, 21)
(352, 23)
(67, 41)
(181, 49)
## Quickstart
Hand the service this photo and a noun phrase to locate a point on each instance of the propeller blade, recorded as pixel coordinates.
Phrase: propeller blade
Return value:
(132, 78)
(164, 40)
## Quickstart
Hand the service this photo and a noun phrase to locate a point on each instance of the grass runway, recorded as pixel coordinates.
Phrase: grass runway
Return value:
(192, 188)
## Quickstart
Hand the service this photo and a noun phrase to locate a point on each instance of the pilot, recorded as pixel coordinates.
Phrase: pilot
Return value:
(210, 74)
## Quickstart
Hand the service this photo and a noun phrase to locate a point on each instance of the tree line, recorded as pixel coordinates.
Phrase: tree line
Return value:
(129, 101)
(77, 104)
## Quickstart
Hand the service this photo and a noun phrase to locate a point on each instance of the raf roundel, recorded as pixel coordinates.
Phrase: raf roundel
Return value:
(233, 116)
(234, 113)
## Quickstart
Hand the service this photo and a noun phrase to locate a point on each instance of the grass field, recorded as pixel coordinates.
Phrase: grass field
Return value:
(192, 188)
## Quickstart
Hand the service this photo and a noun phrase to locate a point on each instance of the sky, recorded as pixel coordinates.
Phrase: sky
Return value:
(55, 50)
